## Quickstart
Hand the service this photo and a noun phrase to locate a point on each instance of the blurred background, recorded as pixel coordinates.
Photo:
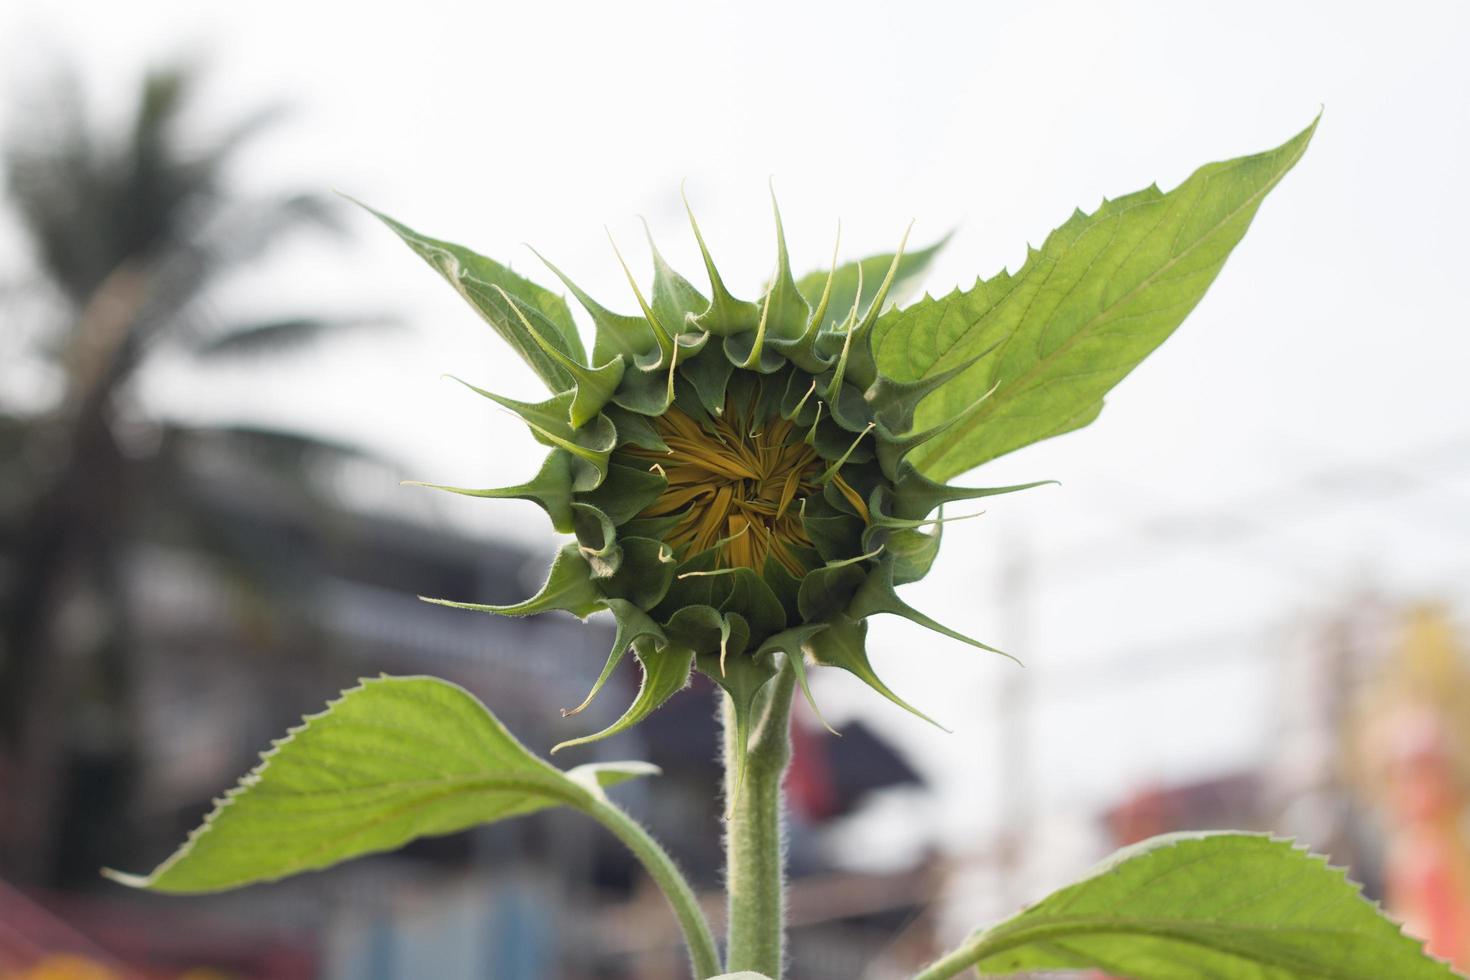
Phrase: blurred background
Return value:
(1244, 607)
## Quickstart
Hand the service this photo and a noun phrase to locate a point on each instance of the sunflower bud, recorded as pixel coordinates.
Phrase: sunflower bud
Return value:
(734, 473)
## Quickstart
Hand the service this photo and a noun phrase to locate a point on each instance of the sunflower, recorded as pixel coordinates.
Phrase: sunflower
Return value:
(733, 473)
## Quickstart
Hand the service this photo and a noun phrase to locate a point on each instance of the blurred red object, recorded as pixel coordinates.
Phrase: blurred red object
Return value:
(98, 939)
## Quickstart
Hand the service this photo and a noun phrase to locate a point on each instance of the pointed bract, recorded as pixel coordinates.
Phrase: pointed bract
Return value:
(568, 587)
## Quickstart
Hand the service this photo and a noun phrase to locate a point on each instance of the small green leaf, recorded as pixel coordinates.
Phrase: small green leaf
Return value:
(479, 280)
(1102, 292)
(1219, 905)
(392, 760)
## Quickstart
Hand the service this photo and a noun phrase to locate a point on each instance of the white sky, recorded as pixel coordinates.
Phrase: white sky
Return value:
(1334, 340)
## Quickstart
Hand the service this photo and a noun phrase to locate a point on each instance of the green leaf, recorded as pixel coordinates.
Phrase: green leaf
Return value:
(479, 280)
(1221, 905)
(393, 759)
(911, 269)
(1102, 292)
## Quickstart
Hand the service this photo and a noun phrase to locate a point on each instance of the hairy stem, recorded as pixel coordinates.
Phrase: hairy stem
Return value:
(755, 873)
(704, 957)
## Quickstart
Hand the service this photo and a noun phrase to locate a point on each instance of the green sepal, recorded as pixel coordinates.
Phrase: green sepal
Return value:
(834, 533)
(895, 402)
(849, 409)
(767, 393)
(701, 628)
(876, 595)
(791, 643)
(635, 429)
(632, 624)
(550, 424)
(915, 496)
(855, 453)
(726, 315)
(785, 586)
(751, 352)
(911, 551)
(687, 400)
(892, 448)
(674, 298)
(832, 441)
(843, 644)
(645, 391)
(861, 363)
(613, 333)
(802, 351)
(625, 492)
(828, 591)
(845, 290)
(568, 586)
(657, 528)
(786, 311)
(479, 280)
(709, 376)
(756, 601)
(646, 573)
(697, 582)
(665, 673)
(551, 488)
(663, 334)
(799, 399)
(597, 539)
(592, 386)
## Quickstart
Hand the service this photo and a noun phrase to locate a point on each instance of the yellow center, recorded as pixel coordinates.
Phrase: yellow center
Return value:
(739, 486)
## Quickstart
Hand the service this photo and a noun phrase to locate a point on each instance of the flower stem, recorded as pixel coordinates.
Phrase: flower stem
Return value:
(755, 874)
(704, 957)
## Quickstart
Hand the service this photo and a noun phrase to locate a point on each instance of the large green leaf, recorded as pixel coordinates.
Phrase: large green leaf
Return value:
(1100, 294)
(394, 759)
(480, 281)
(1203, 905)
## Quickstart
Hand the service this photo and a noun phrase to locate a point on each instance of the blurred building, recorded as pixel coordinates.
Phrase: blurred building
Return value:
(299, 593)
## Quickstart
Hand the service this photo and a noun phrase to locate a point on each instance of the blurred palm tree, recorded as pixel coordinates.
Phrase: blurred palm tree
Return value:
(129, 230)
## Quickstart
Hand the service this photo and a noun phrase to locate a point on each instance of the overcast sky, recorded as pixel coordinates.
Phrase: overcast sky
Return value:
(1305, 434)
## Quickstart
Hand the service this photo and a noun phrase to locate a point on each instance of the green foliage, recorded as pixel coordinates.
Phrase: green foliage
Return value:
(1203, 905)
(1100, 294)
(392, 760)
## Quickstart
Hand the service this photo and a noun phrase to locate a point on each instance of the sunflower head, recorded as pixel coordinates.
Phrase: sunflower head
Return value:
(733, 473)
